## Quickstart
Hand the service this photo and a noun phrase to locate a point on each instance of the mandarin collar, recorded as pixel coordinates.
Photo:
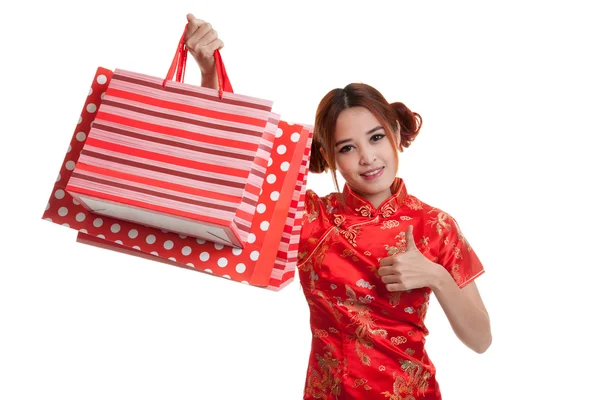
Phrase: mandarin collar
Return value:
(359, 206)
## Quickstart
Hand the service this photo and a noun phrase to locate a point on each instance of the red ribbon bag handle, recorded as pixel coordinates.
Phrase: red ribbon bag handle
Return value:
(177, 68)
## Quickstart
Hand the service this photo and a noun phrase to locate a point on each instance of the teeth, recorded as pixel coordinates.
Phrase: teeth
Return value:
(372, 173)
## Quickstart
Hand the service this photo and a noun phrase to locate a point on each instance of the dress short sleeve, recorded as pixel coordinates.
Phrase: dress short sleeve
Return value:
(314, 225)
(455, 253)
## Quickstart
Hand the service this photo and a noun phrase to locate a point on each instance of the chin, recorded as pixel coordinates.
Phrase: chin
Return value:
(373, 188)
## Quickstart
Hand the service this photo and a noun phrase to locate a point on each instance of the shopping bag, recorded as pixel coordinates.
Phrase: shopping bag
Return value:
(269, 262)
(267, 259)
(175, 156)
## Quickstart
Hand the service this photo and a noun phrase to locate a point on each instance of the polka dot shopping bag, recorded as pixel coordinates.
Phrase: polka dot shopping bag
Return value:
(198, 178)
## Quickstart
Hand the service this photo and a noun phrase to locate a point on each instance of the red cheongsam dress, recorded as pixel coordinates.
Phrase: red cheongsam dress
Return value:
(367, 342)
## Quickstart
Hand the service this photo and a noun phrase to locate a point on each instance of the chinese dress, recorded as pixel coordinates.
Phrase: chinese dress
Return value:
(367, 342)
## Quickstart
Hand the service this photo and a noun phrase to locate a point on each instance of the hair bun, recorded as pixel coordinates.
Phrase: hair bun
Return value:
(410, 123)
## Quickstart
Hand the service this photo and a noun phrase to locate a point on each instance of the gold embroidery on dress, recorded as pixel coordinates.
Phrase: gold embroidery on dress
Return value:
(366, 299)
(333, 203)
(327, 379)
(361, 382)
(388, 209)
(389, 224)
(315, 261)
(422, 310)
(456, 251)
(338, 219)
(365, 211)
(455, 272)
(303, 254)
(361, 315)
(349, 253)
(364, 284)
(397, 340)
(413, 203)
(335, 312)
(350, 234)
(395, 298)
(400, 246)
(320, 333)
(413, 382)
(440, 221)
(311, 210)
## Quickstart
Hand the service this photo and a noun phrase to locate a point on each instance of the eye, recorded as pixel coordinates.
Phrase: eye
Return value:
(345, 149)
(377, 137)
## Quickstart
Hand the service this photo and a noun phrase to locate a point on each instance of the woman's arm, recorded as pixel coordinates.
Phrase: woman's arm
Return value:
(463, 307)
(465, 311)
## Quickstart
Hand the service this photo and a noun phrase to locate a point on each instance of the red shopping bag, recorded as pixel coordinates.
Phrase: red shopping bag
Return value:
(178, 157)
(269, 261)
(268, 257)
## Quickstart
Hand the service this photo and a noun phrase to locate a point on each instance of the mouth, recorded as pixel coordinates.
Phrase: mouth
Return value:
(372, 173)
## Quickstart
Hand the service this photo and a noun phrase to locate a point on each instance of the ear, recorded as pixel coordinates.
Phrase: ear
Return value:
(322, 153)
(398, 130)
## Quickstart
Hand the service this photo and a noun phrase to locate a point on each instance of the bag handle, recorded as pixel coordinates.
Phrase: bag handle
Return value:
(177, 68)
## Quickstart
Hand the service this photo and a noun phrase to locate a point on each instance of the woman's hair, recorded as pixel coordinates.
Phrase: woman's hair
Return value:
(358, 95)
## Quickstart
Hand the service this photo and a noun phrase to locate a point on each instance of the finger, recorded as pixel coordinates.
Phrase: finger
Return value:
(196, 33)
(202, 31)
(410, 239)
(394, 278)
(216, 44)
(203, 36)
(387, 261)
(395, 287)
(193, 25)
(207, 39)
(388, 270)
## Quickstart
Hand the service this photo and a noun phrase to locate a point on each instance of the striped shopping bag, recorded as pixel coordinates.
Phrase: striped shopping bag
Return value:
(269, 258)
(177, 157)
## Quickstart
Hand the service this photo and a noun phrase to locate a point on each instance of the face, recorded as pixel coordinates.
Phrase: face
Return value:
(365, 155)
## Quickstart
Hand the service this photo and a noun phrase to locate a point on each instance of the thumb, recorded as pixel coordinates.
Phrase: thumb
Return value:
(192, 25)
(193, 22)
(410, 239)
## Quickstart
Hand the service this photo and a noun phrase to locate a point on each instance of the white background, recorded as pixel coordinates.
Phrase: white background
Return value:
(509, 94)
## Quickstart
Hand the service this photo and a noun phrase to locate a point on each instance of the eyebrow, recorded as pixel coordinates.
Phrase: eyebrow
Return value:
(377, 128)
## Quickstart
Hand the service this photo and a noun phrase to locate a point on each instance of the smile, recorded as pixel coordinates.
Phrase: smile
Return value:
(373, 174)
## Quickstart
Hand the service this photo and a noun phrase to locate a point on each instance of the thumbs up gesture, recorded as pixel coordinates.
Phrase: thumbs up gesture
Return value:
(410, 269)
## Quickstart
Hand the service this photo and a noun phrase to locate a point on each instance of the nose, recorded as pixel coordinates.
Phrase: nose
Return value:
(366, 157)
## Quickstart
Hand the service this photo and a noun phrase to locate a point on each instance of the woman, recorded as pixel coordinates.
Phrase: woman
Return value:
(370, 256)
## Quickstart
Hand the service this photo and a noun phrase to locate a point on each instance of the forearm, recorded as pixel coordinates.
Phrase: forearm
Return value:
(210, 81)
(470, 323)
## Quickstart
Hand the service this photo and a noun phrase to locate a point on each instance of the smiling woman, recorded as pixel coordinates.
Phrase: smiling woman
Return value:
(370, 256)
